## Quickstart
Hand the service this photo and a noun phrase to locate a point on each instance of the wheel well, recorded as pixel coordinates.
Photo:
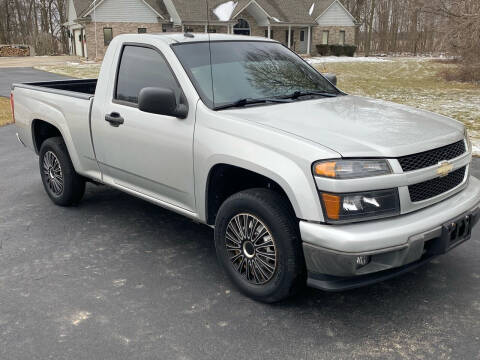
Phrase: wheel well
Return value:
(41, 131)
(225, 180)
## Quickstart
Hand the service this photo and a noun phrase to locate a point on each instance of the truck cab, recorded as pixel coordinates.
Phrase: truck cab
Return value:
(303, 183)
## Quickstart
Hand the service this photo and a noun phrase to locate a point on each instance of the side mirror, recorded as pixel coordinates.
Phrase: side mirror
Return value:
(161, 101)
(332, 78)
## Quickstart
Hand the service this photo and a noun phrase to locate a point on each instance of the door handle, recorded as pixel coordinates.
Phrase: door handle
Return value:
(114, 119)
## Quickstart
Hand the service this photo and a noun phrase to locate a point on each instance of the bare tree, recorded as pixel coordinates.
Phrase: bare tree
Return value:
(34, 22)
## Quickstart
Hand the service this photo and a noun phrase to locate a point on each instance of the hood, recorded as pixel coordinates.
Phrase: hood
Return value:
(358, 127)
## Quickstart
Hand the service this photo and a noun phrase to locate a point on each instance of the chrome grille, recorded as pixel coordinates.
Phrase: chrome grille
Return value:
(431, 188)
(432, 157)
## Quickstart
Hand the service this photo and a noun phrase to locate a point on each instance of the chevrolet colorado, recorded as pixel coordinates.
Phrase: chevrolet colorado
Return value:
(302, 182)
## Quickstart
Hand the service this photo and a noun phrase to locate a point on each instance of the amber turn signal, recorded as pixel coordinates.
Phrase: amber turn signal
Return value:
(332, 206)
(326, 169)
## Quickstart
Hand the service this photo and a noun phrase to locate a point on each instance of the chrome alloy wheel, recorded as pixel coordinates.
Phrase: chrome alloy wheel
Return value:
(251, 248)
(53, 173)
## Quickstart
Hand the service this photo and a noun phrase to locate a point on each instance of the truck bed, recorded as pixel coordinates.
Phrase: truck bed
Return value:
(84, 89)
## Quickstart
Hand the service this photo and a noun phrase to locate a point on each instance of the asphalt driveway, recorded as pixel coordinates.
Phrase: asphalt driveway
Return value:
(118, 278)
(23, 74)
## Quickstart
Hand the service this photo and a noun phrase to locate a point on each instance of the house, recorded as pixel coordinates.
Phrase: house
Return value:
(298, 24)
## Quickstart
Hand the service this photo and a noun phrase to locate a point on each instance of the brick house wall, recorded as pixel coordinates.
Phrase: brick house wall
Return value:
(279, 33)
(117, 29)
(333, 36)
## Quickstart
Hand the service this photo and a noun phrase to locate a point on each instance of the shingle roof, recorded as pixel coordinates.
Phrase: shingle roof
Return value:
(81, 5)
(286, 11)
(294, 12)
(159, 7)
(196, 10)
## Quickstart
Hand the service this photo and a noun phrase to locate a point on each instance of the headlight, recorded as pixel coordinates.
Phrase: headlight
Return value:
(360, 206)
(469, 142)
(351, 169)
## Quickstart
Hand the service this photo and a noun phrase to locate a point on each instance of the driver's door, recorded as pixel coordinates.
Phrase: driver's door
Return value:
(147, 153)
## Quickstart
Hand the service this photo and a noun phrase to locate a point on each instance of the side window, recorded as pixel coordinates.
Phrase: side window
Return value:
(342, 37)
(142, 67)
(325, 35)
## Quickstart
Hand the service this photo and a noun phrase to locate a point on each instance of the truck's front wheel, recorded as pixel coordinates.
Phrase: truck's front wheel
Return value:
(257, 244)
(62, 183)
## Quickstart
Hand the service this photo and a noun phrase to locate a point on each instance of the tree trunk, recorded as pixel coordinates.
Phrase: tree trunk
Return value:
(368, 41)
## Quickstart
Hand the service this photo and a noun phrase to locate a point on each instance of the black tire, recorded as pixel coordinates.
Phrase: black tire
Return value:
(73, 185)
(273, 211)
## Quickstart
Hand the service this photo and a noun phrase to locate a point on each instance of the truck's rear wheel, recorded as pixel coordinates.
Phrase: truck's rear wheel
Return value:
(257, 243)
(62, 183)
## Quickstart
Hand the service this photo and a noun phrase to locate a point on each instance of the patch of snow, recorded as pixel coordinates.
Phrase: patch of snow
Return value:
(274, 18)
(224, 11)
(311, 9)
(343, 59)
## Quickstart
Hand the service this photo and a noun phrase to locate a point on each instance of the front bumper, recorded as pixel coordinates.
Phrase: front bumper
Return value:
(393, 246)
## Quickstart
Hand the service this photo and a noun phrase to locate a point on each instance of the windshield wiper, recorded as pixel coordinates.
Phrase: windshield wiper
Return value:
(298, 94)
(245, 102)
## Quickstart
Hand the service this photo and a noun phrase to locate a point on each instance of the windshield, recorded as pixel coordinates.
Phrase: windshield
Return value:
(243, 70)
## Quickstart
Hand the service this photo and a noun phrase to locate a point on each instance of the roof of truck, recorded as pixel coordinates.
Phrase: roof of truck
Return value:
(199, 37)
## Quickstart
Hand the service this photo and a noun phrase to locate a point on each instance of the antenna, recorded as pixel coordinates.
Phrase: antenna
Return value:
(208, 16)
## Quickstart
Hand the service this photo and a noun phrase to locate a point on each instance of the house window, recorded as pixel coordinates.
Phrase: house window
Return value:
(167, 28)
(302, 35)
(212, 30)
(242, 27)
(271, 34)
(142, 30)
(189, 30)
(341, 41)
(107, 36)
(325, 36)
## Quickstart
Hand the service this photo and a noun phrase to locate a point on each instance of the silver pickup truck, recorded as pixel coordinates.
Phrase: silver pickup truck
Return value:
(303, 183)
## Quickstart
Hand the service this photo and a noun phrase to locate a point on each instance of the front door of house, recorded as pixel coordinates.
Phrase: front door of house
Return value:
(303, 41)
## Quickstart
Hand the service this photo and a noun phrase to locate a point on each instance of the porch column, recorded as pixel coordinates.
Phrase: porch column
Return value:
(309, 41)
(269, 31)
(289, 36)
(206, 28)
(183, 29)
(84, 45)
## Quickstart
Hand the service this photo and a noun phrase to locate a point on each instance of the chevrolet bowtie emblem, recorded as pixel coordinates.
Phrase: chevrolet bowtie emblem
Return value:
(444, 168)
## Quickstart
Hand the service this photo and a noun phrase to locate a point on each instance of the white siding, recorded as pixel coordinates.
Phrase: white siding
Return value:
(124, 11)
(336, 15)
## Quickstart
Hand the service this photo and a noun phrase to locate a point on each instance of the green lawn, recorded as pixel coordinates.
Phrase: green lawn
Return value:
(5, 112)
